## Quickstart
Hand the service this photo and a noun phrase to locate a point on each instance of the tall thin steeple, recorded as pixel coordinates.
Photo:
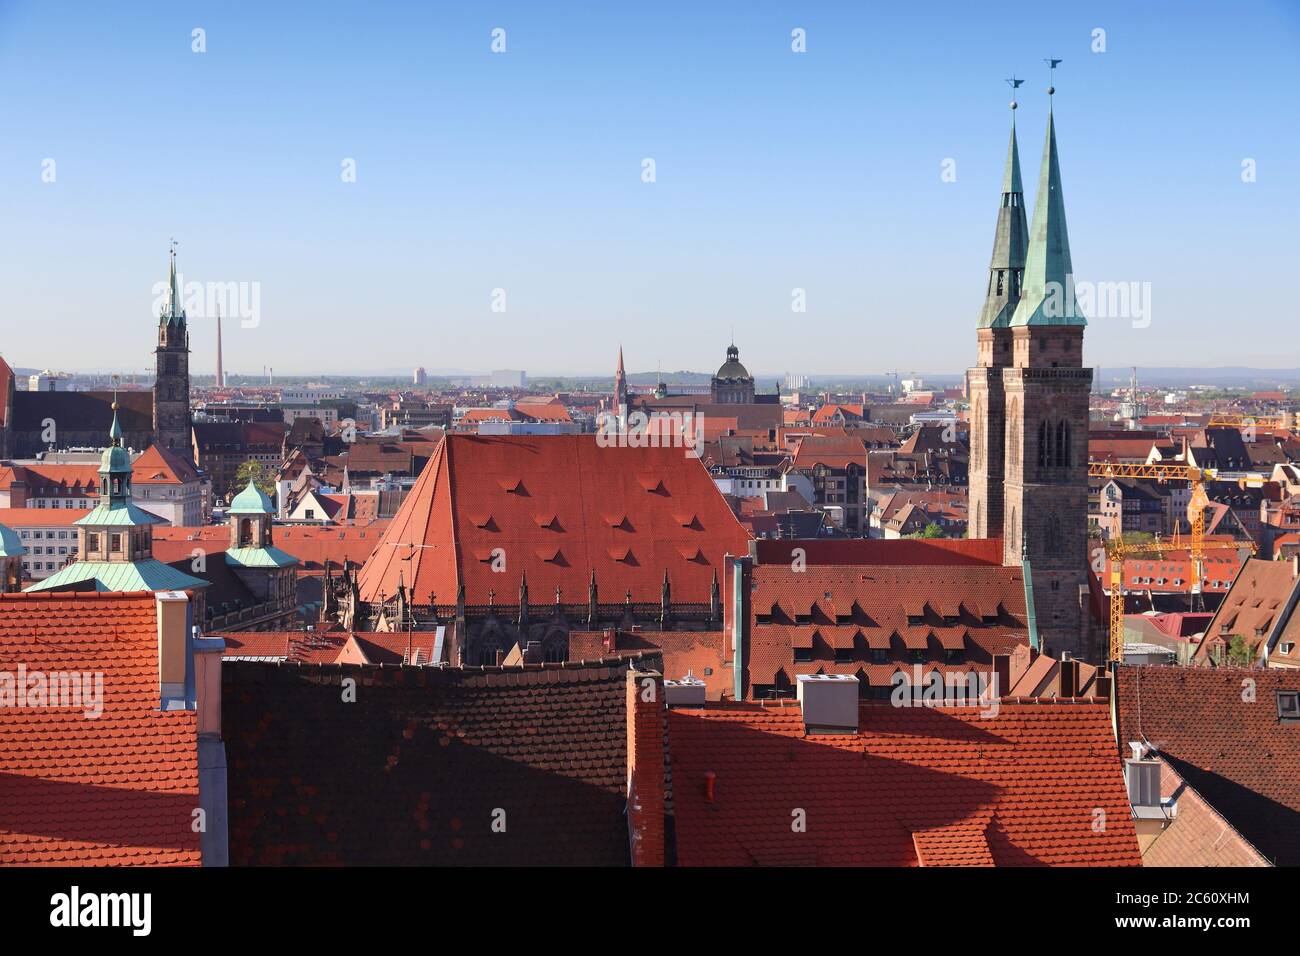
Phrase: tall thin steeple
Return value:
(620, 391)
(1007, 265)
(175, 310)
(1048, 294)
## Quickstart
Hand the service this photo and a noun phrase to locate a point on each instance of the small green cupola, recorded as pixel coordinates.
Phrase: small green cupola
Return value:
(252, 543)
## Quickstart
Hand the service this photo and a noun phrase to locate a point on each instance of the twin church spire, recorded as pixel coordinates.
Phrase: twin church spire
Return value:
(1030, 274)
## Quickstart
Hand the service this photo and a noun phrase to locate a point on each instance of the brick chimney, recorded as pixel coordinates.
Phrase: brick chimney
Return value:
(645, 767)
(174, 674)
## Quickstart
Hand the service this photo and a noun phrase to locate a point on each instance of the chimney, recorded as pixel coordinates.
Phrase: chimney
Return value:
(1002, 672)
(829, 703)
(645, 768)
(687, 692)
(174, 670)
(1068, 685)
(610, 640)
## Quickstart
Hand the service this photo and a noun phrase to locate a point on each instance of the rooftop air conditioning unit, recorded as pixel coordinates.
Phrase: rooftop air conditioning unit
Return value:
(687, 692)
(829, 703)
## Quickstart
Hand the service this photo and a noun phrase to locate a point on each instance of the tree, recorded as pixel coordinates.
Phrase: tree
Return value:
(253, 469)
(1239, 654)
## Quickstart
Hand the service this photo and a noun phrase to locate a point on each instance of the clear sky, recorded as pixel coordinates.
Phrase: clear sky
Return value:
(522, 171)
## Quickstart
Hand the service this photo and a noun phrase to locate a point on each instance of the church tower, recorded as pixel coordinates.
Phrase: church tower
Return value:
(171, 389)
(1046, 392)
(988, 407)
(620, 392)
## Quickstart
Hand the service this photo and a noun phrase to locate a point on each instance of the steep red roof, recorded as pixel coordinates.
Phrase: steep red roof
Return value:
(914, 786)
(1220, 730)
(557, 507)
(117, 789)
(161, 466)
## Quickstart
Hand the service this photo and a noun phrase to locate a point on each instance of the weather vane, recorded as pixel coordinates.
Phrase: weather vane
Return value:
(1051, 66)
(1015, 85)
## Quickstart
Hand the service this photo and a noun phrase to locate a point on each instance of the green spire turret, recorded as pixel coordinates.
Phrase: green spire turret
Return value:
(1007, 265)
(1048, 295)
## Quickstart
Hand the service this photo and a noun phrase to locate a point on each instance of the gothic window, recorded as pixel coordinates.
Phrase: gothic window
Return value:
(1000, 275)
(1044, 460)
(1060, 444)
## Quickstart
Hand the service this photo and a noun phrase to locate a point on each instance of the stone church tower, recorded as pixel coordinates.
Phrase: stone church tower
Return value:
(988, 409)
(1045, 389)
(171, 390)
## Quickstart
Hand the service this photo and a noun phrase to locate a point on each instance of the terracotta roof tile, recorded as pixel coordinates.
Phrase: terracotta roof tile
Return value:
(115, 789)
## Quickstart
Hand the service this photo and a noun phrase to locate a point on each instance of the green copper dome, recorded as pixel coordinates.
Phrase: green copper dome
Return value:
(251, 501)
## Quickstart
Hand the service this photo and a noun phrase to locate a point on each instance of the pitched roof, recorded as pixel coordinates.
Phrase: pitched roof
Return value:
(1227, 743)
(913, 786)
(841, 617)
(428, 756)
(1198, 835)
(559, 507)
(162, 466)
(118, 789)
(1262, 596)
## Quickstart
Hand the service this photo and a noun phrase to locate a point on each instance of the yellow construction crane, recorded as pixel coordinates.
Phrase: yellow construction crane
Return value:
(1117, 549)
(1285, 420)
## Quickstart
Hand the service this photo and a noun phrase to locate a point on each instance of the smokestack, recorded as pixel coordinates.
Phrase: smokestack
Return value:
(221, 378)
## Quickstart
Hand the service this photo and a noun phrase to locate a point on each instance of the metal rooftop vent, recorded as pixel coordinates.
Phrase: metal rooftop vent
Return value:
(829, 703)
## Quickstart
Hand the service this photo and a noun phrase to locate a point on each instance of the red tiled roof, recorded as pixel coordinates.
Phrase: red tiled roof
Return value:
(161, 466)
(1258, 599)
(1228, 744)
(312, 545)
(479, 494)
(1198, 835)
(859, 609)
(931, 552)
(41, 517)
(913, 786)
(118, 789)
(413, 772)
(702, 654)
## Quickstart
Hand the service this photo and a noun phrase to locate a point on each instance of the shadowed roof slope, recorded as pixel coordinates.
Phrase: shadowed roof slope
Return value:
(413, 771)
(1218, 729)
(118, 789)
(914, 786)
(559, 507)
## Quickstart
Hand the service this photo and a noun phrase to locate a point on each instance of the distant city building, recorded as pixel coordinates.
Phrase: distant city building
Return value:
(47, 381)
(732, 385)
(509, 378)
(418, 377)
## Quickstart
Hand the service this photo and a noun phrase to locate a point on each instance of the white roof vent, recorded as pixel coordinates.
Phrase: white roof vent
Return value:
(687, 692)
(829, 703)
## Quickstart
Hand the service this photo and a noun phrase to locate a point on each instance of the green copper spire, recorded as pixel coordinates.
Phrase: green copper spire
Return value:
(1048, 295)
(174, 311)
(1007, 265)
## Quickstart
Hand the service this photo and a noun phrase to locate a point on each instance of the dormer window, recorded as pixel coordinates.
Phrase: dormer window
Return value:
(1288, 706)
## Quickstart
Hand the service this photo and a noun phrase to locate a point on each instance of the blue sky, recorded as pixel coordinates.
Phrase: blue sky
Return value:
(522, 171)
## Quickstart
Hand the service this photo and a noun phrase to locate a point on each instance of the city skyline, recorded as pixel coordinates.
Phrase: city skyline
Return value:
(775, 171)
